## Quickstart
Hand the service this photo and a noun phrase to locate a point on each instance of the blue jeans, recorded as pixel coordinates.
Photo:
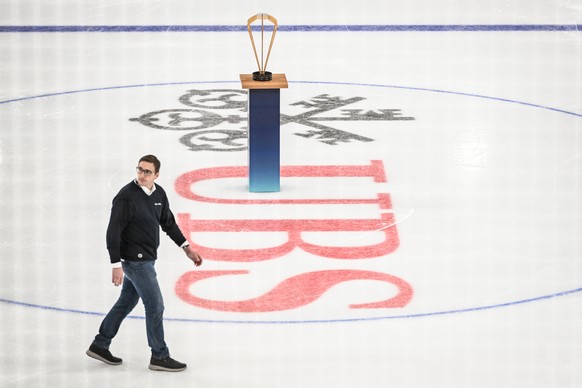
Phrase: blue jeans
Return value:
(140, 281)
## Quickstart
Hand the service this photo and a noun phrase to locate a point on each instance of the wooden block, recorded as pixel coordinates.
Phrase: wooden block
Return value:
(279, 81)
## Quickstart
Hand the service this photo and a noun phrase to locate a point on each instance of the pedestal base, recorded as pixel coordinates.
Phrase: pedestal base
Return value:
(264, 140)
(264, 116)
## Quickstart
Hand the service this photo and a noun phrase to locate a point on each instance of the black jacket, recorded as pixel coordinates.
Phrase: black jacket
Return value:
(134, 226)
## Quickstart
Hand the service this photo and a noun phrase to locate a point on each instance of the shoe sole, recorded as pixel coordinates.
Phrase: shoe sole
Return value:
(98, 357)
(162, 369)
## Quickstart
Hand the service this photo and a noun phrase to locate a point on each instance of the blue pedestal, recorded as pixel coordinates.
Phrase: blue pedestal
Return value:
(264, 115)
(264, 140)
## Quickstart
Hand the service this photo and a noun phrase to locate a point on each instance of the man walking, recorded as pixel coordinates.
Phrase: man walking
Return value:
(133, 236)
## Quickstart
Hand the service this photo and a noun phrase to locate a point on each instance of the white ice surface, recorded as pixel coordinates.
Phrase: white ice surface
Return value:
(486, 193)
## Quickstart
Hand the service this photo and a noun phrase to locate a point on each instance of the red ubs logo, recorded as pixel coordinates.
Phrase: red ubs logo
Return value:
(305, 287)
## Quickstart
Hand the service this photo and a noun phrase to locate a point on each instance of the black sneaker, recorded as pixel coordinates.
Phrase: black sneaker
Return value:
(103, 354)
(167, 364)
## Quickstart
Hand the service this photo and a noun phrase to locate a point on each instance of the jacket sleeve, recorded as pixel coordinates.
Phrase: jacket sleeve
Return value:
(169, 225)
(121, 213)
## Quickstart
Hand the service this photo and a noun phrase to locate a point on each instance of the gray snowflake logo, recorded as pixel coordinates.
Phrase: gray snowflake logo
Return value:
(216, 119)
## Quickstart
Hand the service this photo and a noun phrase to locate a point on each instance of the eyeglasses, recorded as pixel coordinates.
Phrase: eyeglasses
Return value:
(140, 170)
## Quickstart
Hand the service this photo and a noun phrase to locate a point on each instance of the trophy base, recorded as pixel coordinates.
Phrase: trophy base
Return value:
(264, 76)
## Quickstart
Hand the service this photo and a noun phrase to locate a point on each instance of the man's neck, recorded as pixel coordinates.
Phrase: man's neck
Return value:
(147, 190)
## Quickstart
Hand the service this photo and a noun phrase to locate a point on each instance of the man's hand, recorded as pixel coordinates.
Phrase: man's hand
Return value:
(192, 255)
(117, 276)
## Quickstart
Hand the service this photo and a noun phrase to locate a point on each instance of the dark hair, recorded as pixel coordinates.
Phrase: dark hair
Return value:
(151, 159)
